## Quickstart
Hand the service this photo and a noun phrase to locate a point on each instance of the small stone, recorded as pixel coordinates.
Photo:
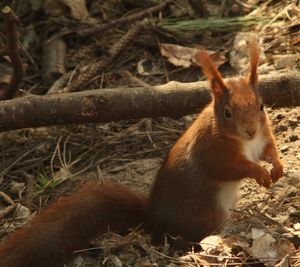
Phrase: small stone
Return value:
(293, 122)
(280, 128)
(23, 213)
(296, 226)
(280, 116)
(294, 138)
(284, 148)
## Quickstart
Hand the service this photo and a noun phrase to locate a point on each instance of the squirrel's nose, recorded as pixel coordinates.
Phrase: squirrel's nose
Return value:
(251, 132)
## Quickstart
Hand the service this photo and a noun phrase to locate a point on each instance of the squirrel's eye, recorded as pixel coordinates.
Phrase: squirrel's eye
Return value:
(261, 107)
(227, 113)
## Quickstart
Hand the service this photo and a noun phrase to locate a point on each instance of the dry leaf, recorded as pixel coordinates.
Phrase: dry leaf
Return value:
(296, 226)
(257, 233)
(211, 242)
(262, 247)
(267, 248)
(22, 213)
(186, 57)
(76, 8)
(17, 187)
(63, 173)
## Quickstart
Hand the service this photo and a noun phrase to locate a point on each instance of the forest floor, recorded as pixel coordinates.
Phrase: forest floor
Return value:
(39, 165)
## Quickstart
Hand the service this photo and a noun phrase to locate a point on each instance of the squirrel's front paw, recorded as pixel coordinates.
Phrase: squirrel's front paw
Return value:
(276, 172)
(264, 178)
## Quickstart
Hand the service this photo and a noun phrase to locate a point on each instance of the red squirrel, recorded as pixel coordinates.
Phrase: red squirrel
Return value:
(194, 189)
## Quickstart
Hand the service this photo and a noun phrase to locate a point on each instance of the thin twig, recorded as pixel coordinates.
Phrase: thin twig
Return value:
(7, 198)
(27, 202)
(10, 28)
(8, 209)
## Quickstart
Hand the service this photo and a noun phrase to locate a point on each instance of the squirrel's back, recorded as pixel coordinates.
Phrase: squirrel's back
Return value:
(184, 198)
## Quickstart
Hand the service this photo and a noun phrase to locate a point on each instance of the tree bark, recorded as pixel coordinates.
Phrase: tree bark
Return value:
(173, 99)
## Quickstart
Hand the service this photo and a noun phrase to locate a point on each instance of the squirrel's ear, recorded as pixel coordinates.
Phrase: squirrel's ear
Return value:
(254, 59)
(211, 72)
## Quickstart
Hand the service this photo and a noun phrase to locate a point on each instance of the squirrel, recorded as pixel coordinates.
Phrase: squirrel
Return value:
(193, 192)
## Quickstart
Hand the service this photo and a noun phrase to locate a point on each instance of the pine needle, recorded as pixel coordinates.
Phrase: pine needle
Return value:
(213, 24)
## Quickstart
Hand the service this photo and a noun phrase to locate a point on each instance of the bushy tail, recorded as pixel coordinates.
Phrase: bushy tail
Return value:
(70, 223)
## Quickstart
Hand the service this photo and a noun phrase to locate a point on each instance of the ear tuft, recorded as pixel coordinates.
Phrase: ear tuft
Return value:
(211, 72)
(254, 51)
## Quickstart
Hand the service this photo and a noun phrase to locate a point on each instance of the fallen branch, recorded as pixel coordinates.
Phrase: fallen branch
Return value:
(173, 99)
(10, 29)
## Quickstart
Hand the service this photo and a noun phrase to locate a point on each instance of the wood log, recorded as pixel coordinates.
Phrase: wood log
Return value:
(173, 99)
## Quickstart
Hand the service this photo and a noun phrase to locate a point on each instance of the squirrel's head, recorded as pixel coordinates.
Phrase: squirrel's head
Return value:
(239, 111)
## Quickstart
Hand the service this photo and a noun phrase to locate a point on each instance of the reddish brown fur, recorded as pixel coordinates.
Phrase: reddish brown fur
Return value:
(254, 59)
(211, 72)
(184, 197)
(70, 223)
(194, 178)
(270, 155)
(241, 95)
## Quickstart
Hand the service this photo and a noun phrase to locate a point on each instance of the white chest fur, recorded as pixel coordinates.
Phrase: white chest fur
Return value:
(228, 194)
(253, 149)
